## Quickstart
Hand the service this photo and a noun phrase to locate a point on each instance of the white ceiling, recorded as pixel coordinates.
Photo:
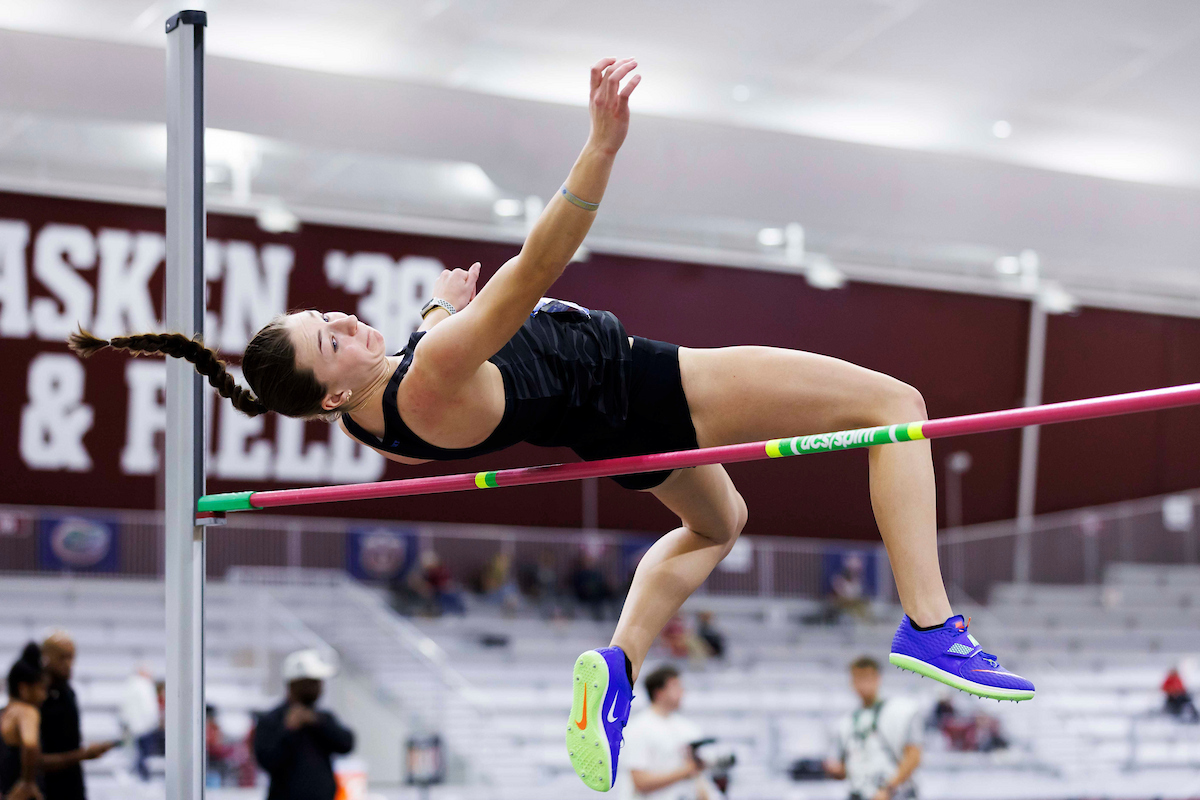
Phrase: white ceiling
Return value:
(736, 101)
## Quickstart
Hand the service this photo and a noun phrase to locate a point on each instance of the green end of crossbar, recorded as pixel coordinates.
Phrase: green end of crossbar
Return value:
(231, 501)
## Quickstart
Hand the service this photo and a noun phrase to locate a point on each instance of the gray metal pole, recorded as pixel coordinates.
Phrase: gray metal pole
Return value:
(1027, 487)
(184, 312)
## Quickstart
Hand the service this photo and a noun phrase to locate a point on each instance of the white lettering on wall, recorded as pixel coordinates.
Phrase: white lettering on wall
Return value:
(351, 461)
(146, 416)
(59, 251)
(293, 460)
(127, 261)
(14, 290)
(55, 419)
(252, 295)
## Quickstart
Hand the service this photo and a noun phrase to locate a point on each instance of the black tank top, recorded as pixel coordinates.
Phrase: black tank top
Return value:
(566, 384)
(10, 766)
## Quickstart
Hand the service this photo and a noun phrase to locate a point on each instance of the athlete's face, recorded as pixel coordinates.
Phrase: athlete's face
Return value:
(343, 353)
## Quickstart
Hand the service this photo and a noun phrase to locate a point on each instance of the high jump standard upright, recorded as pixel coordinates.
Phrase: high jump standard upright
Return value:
(183, 311)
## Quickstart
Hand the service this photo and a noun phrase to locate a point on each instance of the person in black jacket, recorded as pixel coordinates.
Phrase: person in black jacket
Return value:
(294, 742)
(62, 744)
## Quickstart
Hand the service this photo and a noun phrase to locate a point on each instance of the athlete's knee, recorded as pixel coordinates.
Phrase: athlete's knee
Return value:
(897, 401)
(728, 524)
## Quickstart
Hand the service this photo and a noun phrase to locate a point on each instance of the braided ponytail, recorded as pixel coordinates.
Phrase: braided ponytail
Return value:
(176, 345)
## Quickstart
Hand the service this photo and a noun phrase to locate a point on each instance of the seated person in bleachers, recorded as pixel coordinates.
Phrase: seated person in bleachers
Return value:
(154, 741)
(497, 585)
(879, 745)
(974, 733)
(1178, 699)
(590, 587)
(539, 582)
(658, 761)
(848, 589)
(707, 630)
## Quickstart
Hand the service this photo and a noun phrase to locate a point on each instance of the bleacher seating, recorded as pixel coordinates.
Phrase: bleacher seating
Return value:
(492, 684)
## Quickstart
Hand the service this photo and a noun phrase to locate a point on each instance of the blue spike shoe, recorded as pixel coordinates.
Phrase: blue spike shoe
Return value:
(951, 655)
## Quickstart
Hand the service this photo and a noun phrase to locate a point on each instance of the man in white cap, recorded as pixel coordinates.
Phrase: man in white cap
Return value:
(295, 742)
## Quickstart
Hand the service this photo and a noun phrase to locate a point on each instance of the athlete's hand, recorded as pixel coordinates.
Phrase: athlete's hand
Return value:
(457, 286)
(609, 102)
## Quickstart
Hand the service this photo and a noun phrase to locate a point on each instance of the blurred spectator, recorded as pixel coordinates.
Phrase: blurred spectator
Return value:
(682, 642)
(589, 586)
(1178, 700)
(138, 711)
(658, 758)
(154, 741)
(539, 582)
(295, 742)
(968, 733)
(848, 589)
(20, 724)
(437, 586)
(708, 633)
(221, 755)
(879, 744)
(497, 585)
(62, 741)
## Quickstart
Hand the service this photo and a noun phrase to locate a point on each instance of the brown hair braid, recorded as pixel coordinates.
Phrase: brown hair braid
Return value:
(269, 366)
(207, 362)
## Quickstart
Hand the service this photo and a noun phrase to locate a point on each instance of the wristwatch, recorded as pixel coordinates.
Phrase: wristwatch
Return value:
(437, 302)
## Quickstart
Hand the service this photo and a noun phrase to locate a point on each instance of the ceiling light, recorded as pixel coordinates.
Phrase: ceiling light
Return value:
(1002, 129)
(824, 275)
(771, 237)
(1055, 299)
(508, 207)
(276, 218)
(1008, 265)
(741, 93)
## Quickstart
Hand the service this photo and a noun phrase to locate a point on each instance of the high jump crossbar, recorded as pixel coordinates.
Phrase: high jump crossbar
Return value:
(1070, 411)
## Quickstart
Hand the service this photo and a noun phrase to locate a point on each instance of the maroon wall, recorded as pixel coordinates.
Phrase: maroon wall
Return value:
(1100, 352)
(966, 353)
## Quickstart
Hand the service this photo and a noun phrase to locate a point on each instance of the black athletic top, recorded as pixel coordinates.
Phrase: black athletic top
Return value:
(566, 383)
(10, 766)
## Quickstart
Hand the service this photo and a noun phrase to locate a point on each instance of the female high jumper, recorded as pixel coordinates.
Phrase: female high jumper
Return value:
(509, 365)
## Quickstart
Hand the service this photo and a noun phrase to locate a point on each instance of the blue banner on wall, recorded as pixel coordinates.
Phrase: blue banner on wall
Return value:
(380, 554)
(849, 574)
(78, 544)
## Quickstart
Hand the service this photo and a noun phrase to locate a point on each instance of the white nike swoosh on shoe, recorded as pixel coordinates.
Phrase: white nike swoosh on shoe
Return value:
(611, 716)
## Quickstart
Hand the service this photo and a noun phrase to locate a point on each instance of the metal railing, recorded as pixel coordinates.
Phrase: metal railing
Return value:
(1070, 547)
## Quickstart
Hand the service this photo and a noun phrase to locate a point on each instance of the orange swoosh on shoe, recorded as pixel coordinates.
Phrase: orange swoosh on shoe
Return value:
(582, 724)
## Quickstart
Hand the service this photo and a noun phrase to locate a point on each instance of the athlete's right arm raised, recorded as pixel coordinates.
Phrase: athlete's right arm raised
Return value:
(451, 353)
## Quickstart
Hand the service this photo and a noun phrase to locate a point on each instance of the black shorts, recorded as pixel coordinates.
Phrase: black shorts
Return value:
(658, 419)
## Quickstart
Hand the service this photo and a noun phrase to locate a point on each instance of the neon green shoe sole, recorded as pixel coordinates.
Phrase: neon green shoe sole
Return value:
(587, 741)
(970, 687)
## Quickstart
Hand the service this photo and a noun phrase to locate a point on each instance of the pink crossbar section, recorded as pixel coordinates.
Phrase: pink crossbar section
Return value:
(1113, 405)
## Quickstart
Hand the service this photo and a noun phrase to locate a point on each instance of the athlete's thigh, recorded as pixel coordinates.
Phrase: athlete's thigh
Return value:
(704, 498)
(743, 394)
